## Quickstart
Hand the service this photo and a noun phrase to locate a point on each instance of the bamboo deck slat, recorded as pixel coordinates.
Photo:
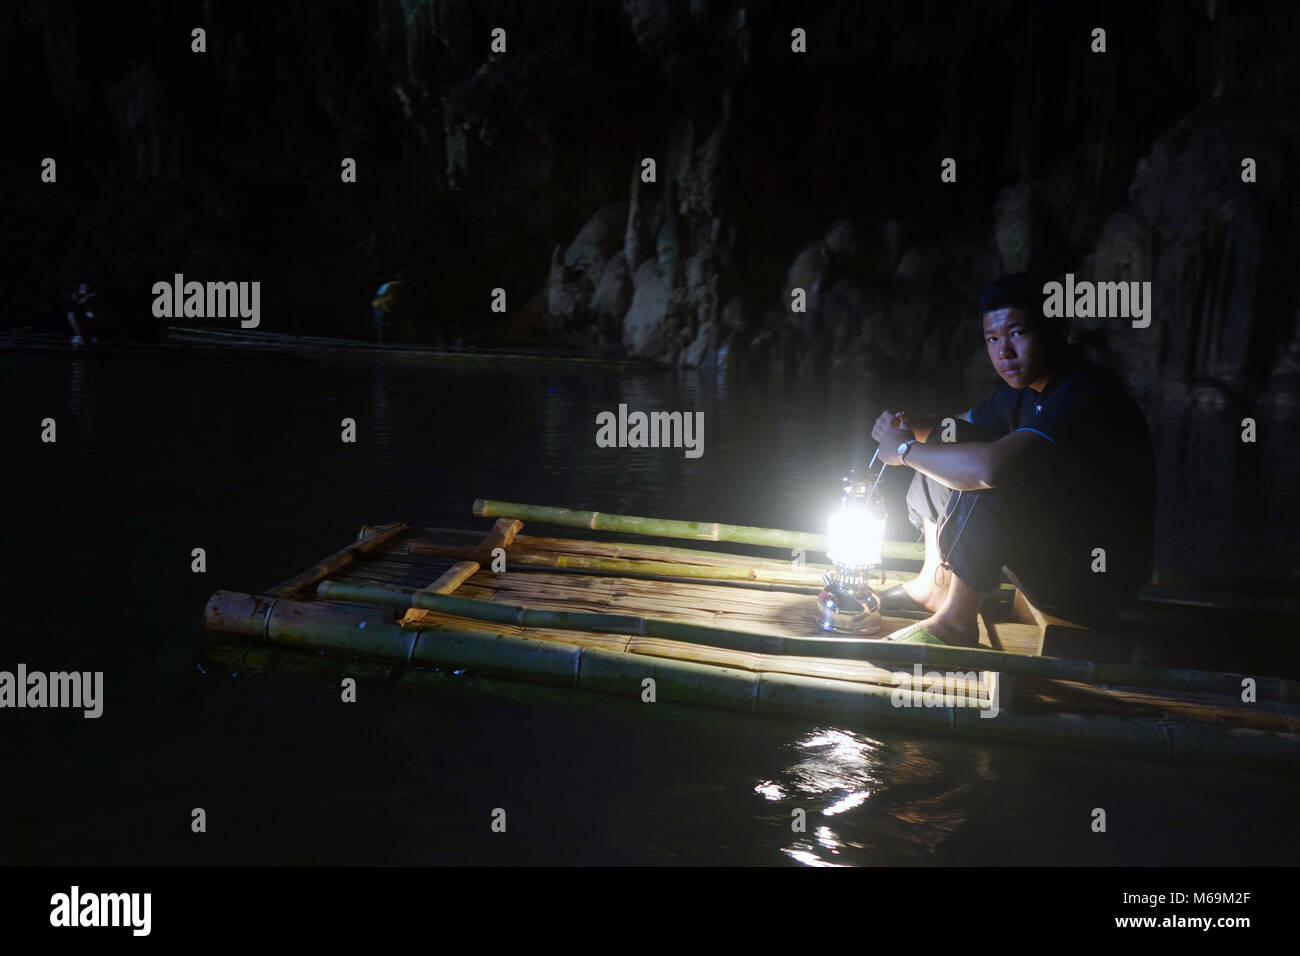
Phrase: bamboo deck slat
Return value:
(446, 583)
(453, 577)
(575, 561)
(370, 539)
(651, 552)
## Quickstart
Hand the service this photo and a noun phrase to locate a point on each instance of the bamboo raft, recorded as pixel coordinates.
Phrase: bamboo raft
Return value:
(321, 345)
(20, 342)
(734, 631)
(252, 345)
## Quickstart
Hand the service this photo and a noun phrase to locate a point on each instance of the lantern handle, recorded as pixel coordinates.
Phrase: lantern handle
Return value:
(883, 466)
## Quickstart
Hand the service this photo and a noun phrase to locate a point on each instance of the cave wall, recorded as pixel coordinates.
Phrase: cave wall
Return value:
(775, 170)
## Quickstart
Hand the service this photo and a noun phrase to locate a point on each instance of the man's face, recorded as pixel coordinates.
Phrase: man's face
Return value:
(1021, 351)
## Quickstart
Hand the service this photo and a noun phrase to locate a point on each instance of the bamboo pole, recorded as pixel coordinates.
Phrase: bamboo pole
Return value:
(357, 632)
(529, 658)
(623, 674)
(235, 613)
(950, 658)
(797, 695)
(662, 527)
(697, 531)
(675, 681)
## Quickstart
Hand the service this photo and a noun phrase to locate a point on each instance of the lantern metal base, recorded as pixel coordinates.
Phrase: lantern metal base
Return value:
(848, 611)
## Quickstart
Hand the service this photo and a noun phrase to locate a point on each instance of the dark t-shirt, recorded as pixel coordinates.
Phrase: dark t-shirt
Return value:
(1095, 470)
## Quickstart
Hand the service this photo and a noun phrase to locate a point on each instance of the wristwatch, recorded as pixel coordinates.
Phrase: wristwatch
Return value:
(904, 448)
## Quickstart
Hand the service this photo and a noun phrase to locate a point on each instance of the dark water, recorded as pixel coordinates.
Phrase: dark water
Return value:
(155, 459)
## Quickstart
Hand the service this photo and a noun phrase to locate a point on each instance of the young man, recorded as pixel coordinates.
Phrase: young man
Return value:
(1057, 490)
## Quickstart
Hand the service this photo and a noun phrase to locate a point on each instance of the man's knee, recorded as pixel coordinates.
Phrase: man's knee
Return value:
(975, 565)
(982, 533)
(927, 500)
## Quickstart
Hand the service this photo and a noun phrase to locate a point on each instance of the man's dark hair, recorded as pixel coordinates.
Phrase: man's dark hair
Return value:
(1023, 290)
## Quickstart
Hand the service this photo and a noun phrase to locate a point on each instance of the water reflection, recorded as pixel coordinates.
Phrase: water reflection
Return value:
(808, 858)
(381, 418)
(837, 771)
(82, 386)
(865, 800)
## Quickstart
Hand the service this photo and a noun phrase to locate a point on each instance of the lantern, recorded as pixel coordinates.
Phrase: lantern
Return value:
(855, 536)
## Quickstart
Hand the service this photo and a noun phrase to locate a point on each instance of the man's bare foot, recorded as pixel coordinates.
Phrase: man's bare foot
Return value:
(968, 636)
(923, 594)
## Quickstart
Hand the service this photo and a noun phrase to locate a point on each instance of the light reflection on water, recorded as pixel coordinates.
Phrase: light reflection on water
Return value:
(870, 799)
(840, 772)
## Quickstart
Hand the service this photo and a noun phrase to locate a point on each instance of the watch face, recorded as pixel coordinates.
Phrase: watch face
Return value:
(902, 449)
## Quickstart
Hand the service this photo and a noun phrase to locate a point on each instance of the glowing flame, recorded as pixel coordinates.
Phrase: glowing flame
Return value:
(856, 535)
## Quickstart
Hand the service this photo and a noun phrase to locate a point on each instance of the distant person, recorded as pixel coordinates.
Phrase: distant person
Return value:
(81, 315)
(384, 305)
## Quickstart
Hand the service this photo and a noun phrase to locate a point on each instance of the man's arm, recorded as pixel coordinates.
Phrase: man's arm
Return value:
(972, 466)
(921, 427)
(962, 466)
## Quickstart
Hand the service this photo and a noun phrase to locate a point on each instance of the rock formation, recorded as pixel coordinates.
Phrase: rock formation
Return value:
(775, 170)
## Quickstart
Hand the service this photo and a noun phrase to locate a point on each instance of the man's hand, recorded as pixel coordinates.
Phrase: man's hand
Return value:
(890, 431)
(919, 427)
